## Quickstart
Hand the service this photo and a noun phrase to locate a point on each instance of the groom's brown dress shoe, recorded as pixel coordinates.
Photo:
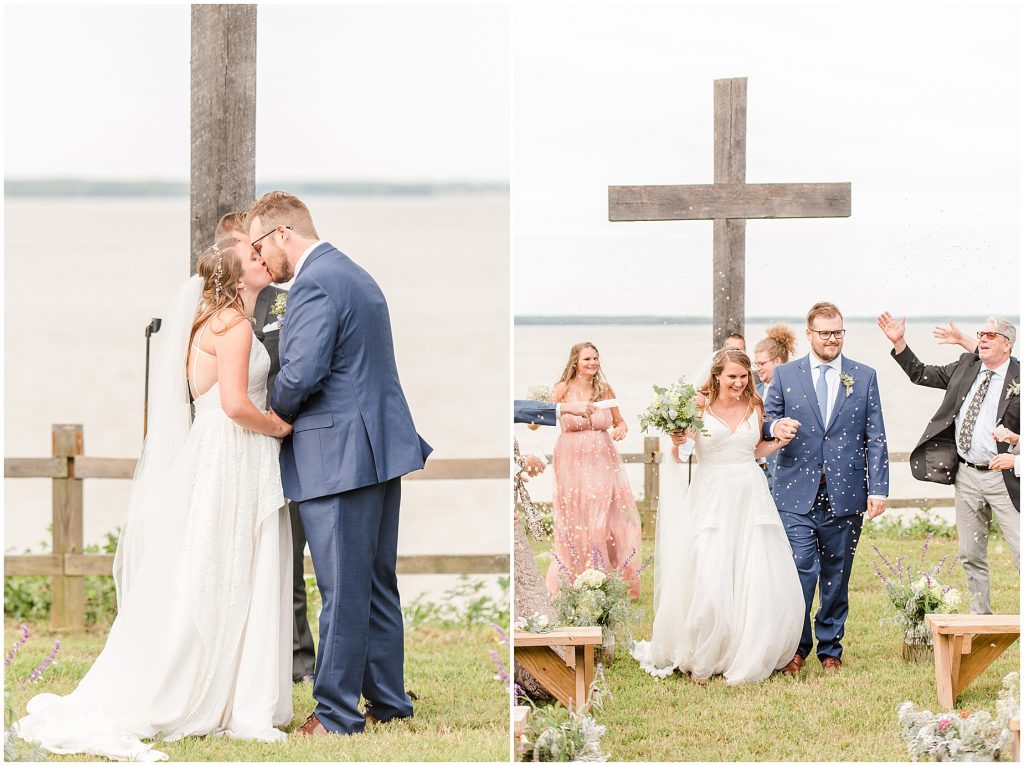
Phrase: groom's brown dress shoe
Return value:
(312, 726)
(795, 666)
(831, 664)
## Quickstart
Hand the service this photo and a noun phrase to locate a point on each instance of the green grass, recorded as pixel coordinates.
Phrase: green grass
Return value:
(850, 716)
(461, 714)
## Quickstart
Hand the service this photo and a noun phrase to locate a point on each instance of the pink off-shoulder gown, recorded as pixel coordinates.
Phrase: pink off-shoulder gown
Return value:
(593, 504)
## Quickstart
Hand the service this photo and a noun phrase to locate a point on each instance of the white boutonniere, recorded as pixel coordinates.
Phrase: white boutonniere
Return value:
(1013, 389)
(847, 381)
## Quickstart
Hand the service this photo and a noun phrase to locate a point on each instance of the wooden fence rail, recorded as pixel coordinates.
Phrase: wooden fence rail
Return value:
(68, 564)
(651, 459)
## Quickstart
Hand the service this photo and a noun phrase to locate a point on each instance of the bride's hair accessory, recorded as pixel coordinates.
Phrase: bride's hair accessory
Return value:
(218, 272)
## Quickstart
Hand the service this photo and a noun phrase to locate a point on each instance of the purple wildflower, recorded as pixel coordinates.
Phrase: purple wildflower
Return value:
(645, 565)
(879, 572)
(502, 674)
(17, 644)
(48, 660)
(629, 558)
(572, 549)
(561, 565)
(924, 549)
(502, 635)
(518, 694)
(885, 560)
(597, 559)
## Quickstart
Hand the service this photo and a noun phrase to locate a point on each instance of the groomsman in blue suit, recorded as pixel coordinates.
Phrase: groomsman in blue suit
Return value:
(353, 440)
(835, 468)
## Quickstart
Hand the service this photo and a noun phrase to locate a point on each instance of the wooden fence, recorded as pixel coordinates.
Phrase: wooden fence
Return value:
(67, 564)
(651, 459)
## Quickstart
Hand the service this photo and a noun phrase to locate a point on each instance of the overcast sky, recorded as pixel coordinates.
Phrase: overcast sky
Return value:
(391, 92)
(918, 106)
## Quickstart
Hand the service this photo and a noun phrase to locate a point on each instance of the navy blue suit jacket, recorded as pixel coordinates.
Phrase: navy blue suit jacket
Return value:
(338, 385)
(532, 411)
(850, 449)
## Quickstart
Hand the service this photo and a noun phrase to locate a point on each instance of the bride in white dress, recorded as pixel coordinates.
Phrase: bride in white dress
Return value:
(202, 641)
(727, 597)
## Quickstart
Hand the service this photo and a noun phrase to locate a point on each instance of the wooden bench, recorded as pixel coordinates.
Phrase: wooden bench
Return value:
(1015, 730)
(966, 644)
(569, 679)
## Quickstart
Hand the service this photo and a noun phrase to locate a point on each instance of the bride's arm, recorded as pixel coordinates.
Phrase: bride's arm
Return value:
(233, 348)
(767, 447)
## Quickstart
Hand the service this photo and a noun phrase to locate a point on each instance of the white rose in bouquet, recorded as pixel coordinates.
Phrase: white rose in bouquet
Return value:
(591, 578)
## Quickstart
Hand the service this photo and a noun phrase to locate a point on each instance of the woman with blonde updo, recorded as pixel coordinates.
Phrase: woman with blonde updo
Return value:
(772, 350)
(202, 642)
(593, 504)
(727, 597)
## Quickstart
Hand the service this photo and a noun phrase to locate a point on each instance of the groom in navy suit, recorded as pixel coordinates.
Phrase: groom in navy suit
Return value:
(835, 468)
(353, 440)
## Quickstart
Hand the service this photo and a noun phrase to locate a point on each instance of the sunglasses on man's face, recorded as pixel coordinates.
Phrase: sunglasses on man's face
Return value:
(257, 246)
(989, 335)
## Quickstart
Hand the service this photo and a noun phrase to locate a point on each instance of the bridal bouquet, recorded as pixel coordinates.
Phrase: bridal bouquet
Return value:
(673, 409)
(914, 592)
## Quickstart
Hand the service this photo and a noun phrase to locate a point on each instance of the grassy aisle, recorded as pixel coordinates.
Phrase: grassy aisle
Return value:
(461, 715)
(846, 717)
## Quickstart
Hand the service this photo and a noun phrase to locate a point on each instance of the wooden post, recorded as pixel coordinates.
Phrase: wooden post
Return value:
(652, 471)
(223, 175)
(729, 248)
(67, 593)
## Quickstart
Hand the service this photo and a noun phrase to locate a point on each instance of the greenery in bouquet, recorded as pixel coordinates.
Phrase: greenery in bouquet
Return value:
(555, 733)
(673, 409)
(959, 734)
(914, 591)
(535, 623)
(597, 596)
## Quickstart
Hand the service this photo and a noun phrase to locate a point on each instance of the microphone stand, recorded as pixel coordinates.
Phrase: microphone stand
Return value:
(152, 327)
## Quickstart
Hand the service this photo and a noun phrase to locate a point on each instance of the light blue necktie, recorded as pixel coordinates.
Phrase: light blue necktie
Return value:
(822, 391)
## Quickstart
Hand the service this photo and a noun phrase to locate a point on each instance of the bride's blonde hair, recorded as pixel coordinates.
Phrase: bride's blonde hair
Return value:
(220, 266)
(711, 388)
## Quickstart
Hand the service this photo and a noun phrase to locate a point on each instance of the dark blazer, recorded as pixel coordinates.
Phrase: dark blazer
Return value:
(271, 339)
(935, 456)
(534, 412)
(339, 386)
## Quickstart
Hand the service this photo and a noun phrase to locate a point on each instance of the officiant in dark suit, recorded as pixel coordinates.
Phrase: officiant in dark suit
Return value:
(957, 447)
(268, 332)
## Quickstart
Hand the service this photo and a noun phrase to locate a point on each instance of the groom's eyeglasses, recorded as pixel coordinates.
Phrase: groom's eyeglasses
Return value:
(824, 334)
(260, 248)
(988, 335)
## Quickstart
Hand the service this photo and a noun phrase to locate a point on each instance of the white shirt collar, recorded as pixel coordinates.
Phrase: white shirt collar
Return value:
(1000, 371)
(302, 258)
(836, 364)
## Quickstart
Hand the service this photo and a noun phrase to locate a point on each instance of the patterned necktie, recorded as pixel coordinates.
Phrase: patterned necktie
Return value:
(967, 429)
(822, 391)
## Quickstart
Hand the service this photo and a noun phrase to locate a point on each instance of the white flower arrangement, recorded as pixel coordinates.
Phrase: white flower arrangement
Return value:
(591, 578)
(535, 623)
(1013, 389)
(956, 735)
(540, 393)
(278, 307)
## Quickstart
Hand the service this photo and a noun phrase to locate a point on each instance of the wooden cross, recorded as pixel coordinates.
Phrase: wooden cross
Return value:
(729, 201)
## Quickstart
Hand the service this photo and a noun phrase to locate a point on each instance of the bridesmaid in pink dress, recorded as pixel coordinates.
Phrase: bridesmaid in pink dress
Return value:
(593, 503)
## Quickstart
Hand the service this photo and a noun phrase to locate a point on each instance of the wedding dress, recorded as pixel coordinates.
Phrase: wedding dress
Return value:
(727, 597)
(203, 636)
